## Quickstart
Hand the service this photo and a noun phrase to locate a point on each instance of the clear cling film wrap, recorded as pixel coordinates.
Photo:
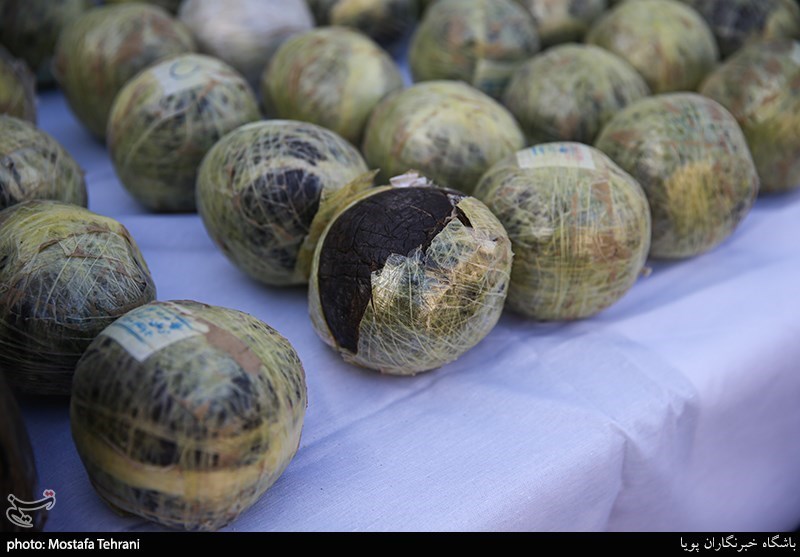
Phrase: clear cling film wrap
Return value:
(185, 414)
(29, 29)
(65, 273)
(408, 278)
(666, 41)
(569, 92)
(245, 33)
(738, 22)
(333, 77)
(760, 85)
(165, 120)
(383, 20)
(562, 21)
(100, 51)
(692, 159)
(169, 5)
(33, 165)
(266, 191)
(480, 42)
(18, 477)
(579, 226)
(17, 88)
(446, 130)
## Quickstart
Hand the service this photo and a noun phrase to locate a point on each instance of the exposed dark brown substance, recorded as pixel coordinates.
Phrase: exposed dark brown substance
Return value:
(362, 238)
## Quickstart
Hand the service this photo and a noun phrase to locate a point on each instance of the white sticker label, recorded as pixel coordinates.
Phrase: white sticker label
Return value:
(152, 328)
(179, 75)
(572, 155)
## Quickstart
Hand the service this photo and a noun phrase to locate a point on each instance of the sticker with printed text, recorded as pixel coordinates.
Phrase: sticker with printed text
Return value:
(569, 155)
(151, 328)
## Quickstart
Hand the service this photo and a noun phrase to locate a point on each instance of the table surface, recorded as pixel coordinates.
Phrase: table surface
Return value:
(675, 409)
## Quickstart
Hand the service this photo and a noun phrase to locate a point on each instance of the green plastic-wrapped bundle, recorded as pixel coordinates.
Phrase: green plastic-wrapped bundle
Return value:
(245, 33)
(691, 158)
(107, 46)
(447, 130)
(579, 226)
(169, 5)
(382, 20)
(66, 274)
(33, 165)
(267, 190)
(406, 279)
(185, 414)
(17, 88)
(570, 91)
(666, 41)
(760, 85)
(562, 21)
(29, 29)
(480, 42)
(165, 120)
(333, 77)
(738, 22)
(18, 478)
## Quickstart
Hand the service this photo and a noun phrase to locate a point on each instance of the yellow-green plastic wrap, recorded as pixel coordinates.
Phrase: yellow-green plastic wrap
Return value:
(17, 88)
(29, 29)
(691, 158)
(579, 226)
(33, 165)
(569, 92)
(18, 478)
(267, 190)
(66, 273)
(99, 52)
(169, 5)
(480, 42)
(667, 42)
(408, 278)
(760, 85)
(383, 20)
(165, 120)
(563, 21)
(739, 22)
(447, 130)
(185, 413)
(245, 33)
(331, 76)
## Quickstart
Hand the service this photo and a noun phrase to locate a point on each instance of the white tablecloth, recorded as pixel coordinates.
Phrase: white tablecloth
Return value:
(678, 408)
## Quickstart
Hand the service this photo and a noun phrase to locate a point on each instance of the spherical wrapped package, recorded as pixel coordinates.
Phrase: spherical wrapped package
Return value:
(480, 42)
(185, 413)
(29, 29)
(266, 191)
(382, 20)
(33, 165)
(562, 21)
(570, 91)
(738, 22)
(331, 76)
(691, 158)
(760, 85)
(66, 273)
(406, 279)
(245, 33)
(165, 120)
(18, 478)
(666, 41)
(99, 52)
(17, 88)
(447, 130)
(169, 5)
(579, 226)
